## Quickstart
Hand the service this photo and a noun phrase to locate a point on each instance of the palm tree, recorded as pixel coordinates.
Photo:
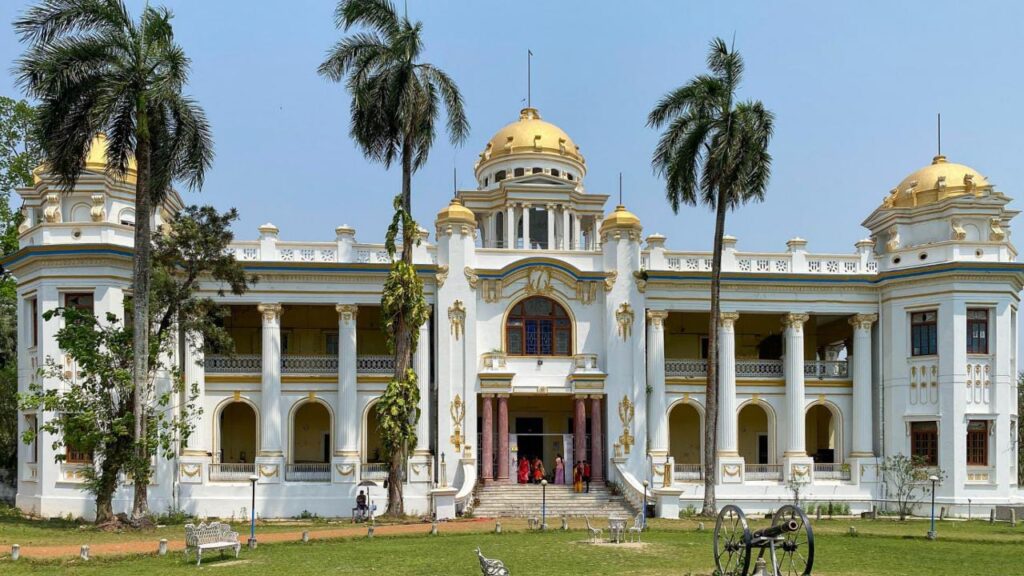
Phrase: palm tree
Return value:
(714, 151)
(395, 104)
(95, 70)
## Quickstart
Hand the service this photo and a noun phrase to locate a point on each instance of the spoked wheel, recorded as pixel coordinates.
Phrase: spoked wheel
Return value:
(732, 542)
(796, 553)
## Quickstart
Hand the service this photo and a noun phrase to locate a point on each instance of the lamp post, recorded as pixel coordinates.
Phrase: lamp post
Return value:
(645, 504)
(252, 513)
(931, 533)
(543, 504)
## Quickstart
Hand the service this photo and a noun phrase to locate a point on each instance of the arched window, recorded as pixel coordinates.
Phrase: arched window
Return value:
(554, 172)
(569, 176)
(499, 175)
(519, 172)
(538, 326)
(537, 169)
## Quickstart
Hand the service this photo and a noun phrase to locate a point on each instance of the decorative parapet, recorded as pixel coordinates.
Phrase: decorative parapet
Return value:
(494, 361)
(796, 260)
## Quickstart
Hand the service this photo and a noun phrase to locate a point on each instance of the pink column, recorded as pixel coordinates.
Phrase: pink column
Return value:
(503, 438)
(488, 438)
(579, 425)
(596, 444)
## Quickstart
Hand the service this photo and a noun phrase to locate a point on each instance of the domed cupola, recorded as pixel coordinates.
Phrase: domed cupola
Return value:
(939, 180)
(527, 147)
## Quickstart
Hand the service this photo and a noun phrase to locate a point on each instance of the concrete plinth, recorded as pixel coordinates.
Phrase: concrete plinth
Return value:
(444, 502)
(730, 470)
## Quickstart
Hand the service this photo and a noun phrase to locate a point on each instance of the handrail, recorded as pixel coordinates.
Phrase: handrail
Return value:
(465, 493)
(632, 489)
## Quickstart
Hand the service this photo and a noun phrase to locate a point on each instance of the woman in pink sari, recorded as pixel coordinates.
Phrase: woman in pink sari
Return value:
(559, 470)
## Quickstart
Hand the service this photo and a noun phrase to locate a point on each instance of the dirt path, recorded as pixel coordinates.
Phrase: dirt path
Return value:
(176, 545)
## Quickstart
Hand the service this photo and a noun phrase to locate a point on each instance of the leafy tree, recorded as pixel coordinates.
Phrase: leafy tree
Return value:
(714, 151)
(395, 105)
(908, 477)
(96, 70)
(94, 411)
(19, 154)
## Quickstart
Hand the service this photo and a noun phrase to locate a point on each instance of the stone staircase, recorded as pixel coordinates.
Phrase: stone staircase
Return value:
(518, 500)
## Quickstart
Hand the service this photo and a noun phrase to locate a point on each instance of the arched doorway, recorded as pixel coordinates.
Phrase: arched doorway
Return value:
(238, 432)
(820, 435)
(685, 434)
(311, 434)
(753, 434)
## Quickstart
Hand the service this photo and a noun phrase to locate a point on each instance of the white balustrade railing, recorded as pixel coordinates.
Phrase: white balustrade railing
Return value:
(297, 364)
(766, 472)
(231, 472)
(759, 369)
(308, 472)
(692, 367)
(685, 367)
(763, 263)
(377, 471)
(823, 369)
(829, 471)
(688, 472)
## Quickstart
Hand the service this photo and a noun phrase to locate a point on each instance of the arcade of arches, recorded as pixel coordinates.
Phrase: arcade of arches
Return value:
(238, 433)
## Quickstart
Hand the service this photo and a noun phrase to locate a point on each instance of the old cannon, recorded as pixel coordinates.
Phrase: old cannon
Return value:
(789, 542)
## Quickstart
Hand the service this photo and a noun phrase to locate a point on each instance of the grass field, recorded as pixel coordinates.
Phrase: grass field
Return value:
(671, 547)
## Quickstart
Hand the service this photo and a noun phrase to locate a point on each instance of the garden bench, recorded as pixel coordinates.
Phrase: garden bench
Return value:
(212, 536)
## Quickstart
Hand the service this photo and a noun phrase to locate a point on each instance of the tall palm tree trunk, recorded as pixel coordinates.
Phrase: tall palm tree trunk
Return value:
(140, 315)
(403, 333)
(709, 507)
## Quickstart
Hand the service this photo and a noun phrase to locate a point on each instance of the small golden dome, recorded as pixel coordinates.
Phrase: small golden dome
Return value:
(456, 213)
(96, 161)
(531, 135)
(939, 180)
(621, 219)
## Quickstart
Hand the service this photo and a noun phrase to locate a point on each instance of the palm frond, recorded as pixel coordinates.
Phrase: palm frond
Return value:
(379, 15)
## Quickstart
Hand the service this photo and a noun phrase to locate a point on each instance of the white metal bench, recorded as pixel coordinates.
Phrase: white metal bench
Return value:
(212, 536)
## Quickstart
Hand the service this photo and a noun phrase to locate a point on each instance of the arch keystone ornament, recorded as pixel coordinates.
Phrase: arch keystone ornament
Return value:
(626, 413)
(624, 318)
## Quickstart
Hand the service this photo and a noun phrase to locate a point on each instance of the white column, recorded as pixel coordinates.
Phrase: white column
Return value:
(551, 227)
(421, 364)
(526, 226)
(270, 396)
(597, 233)
(576, 235)
(198, 443)
(727, 417)
(490, 231)
(510, 227)
(346, 414)
(794, 368)
(862, 429)
(657, 416)
(565, 228)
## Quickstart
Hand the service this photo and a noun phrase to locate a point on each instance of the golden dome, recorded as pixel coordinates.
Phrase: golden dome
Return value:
(456, 213)
(939, 180)
(531, 135)
(621, 219)
(96, 160)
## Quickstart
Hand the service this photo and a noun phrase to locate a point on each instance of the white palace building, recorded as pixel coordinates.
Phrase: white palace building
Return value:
(558, 328)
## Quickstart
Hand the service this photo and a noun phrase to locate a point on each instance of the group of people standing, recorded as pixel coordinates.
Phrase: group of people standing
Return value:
(531, 471)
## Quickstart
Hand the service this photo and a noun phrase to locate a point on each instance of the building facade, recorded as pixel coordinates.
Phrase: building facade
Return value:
(558, 329)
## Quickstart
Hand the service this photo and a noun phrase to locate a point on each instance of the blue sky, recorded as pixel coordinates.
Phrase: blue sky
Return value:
(855, 87)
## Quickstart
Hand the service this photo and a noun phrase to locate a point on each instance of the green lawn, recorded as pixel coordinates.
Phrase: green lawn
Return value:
(882, 547)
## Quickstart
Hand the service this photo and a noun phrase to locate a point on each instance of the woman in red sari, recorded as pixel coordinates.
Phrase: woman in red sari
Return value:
(524, 470)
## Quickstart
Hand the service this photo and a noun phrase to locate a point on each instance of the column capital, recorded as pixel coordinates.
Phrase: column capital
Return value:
(347, 312)
(270, 311)
(728, 319)
(795, 320)
(485, 395)
(863, 321)
(551, 205)
(657, 317)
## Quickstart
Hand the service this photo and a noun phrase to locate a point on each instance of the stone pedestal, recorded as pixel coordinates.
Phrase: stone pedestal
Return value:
(345, 468)
(729, 469)
(798, 469)
(863, 470)
(192, 469)
(667, 502)
(270, 469)
(444, 502)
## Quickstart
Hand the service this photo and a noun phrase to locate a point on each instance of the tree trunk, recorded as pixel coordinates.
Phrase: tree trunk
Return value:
(403, 335)
(140, 315)
(105, 494)
(709, 507)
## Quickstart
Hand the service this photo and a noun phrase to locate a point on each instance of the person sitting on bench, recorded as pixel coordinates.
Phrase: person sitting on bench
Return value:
(361, 508)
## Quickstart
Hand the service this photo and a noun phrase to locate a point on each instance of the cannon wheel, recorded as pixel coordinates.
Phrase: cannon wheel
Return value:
(732, 542)
(796, 556)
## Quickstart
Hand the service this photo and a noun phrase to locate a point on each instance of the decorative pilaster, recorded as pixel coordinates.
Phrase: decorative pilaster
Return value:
(798, 466)
(487, 437)
(727, 441)
(862, 417)
(270, 461)
(657, 416)
(503, 455)
(596, 444)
